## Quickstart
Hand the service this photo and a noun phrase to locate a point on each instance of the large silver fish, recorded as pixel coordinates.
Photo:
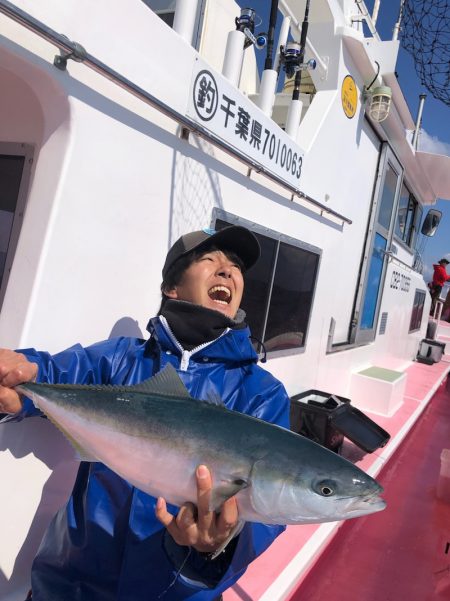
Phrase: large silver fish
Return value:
(155, 435)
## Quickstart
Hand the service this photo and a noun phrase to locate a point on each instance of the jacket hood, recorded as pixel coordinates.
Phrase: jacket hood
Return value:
(233, 346)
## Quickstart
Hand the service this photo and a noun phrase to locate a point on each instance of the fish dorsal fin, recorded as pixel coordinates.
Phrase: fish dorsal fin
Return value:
(166, 382)
(214, 398)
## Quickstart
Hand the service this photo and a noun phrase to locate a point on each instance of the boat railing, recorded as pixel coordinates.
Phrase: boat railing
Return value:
(365, 16)
(392, 257)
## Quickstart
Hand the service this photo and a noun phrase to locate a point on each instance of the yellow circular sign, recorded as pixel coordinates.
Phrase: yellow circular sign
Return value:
(349, 96)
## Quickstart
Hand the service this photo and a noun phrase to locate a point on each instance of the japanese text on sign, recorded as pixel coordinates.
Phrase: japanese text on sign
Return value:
(222, 109)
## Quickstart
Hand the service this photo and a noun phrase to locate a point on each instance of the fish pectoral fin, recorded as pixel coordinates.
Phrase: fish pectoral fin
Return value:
(225, 490)
(234, 532)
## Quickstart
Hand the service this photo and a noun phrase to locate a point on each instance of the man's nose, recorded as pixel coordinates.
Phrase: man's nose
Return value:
(224, 270)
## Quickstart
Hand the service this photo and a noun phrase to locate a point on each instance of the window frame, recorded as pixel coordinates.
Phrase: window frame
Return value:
(26, 151)
(278, 237)
(418, 291)
(410, 237)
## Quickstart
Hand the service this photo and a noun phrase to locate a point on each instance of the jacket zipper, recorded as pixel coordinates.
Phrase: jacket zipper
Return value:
(186, 355)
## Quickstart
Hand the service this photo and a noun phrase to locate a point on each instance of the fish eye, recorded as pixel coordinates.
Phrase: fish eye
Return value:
(325, 488)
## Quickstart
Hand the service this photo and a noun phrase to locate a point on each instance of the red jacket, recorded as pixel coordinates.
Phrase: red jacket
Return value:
(440, 275)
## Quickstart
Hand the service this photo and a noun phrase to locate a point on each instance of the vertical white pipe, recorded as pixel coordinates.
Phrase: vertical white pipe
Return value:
(234, 57)
(267, 91)
(415, 140)
(282, 39)
(184, 19)
(376, 8)
(293, 118)
(399, 21)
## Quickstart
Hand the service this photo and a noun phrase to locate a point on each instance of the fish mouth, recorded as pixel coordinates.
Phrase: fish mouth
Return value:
(220, 294)
(367, 504)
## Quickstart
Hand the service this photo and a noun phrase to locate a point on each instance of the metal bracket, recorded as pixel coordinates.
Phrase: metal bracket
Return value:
(78, 55)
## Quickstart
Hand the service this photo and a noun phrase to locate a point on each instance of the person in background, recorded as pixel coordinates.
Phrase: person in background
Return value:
(112, 542)
(439, 278)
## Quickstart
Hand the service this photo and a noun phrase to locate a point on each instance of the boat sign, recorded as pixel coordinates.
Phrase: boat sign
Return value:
(224, 111)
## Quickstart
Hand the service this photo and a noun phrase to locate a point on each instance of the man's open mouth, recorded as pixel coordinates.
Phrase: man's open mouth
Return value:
(220, 294)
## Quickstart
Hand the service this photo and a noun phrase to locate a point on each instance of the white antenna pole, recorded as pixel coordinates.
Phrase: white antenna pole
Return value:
(415, 140)
(399, 21)
(376, 8)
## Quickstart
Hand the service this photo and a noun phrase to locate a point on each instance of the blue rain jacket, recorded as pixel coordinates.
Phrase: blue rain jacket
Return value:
(106, 544)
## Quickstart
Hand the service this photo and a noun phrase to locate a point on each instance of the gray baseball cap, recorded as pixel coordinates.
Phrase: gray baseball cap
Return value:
(235, 238)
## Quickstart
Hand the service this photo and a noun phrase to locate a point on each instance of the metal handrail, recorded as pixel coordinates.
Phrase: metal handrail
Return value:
(391, 256)
(78, 53)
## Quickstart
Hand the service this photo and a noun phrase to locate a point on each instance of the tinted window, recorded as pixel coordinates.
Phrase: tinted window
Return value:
(291, 299)
(257, 286)
(388, 197)
(408, 217)
(278, 293)
(11, 168)
(417, 311)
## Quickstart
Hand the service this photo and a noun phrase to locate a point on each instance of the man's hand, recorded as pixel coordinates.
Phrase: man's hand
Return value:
(14, 369)
(199, 527)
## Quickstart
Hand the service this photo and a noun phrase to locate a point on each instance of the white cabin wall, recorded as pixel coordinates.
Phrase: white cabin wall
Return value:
(25, 95)
(397, 347)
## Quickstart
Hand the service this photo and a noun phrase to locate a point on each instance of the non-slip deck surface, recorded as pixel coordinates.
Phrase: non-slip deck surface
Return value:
(402, 553)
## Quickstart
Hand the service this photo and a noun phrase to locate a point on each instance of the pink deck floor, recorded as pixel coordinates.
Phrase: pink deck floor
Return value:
(404, 551)
(294, 562)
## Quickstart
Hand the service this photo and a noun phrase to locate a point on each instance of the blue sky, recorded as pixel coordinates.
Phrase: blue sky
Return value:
(435, 136)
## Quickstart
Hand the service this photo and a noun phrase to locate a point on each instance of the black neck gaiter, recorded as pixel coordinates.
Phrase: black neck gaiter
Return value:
(194, 325)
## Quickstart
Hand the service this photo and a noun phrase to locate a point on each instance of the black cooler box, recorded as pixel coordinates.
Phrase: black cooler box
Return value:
(327, 418)
(430, 351)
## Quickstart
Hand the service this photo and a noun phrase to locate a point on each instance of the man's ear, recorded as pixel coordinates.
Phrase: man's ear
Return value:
(171, 292)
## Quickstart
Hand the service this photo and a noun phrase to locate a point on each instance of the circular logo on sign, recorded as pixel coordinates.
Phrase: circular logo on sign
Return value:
(206, 95)
(349, 96)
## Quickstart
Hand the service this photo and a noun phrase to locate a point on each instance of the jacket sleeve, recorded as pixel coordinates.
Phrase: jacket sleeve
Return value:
(267, 399)
(94, 364)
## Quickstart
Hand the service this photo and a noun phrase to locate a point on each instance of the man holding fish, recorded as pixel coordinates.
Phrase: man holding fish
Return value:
(180, 487)
(106, 543)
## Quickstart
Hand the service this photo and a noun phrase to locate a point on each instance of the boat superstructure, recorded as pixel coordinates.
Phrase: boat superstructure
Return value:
(127, 124)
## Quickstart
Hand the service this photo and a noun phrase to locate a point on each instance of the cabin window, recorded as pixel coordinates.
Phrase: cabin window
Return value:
(15, 162)
(417, 311)
(409, 215)
(279, 289)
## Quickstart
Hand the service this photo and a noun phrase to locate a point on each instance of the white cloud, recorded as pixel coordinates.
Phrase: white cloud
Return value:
(427, 273)
(428, 143)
